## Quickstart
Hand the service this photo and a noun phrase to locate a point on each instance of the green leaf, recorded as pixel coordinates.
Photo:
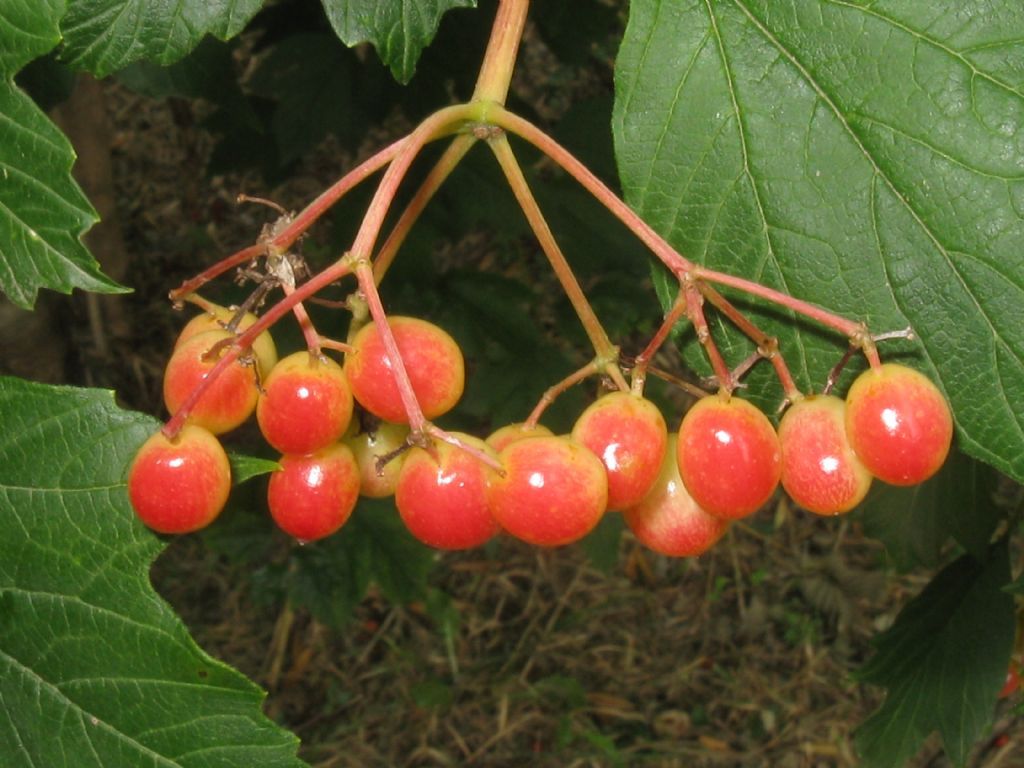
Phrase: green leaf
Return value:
(311, 77)
(247, 467)
(43, 213)
(95, 669)
(27, 31)
(398, 29)
(942, 663)
(331, 576)
(102, 36)
(764, 138)
(1017, 587)
(602, 544)
(915, 522)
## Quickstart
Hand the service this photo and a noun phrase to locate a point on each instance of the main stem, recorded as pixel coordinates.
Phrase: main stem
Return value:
(496, 70)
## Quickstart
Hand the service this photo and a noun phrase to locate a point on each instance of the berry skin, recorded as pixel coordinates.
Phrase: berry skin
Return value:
(227, 403)
(306, 404)
(443, 500)
(1011, 683)
(432, 359)
(898, 423)
(180, 485)
(312, 496)
(382, 440)
(629, 435)
(668, 520)
(729, 456)
(262, 347)
(554, 491)
(512, 432)
(820, 471)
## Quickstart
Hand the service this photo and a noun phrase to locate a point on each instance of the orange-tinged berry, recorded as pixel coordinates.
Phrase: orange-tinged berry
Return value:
(554, 491)
(376, 480)
(820, 471)
(668, 520)
(228, 402)
(305, 405)
(442, 495)
(432, 359)
(729, 456)
(179, 485)
(263, 347)
(629, 435)
(898, 423)
(312, 496)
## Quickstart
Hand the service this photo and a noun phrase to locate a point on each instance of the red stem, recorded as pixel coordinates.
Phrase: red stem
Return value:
(695, 311)
(244, 341)
(299, 224)
(641, 361)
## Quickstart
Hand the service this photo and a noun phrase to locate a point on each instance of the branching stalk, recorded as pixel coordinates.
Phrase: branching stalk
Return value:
(603, 347)
(442, 169)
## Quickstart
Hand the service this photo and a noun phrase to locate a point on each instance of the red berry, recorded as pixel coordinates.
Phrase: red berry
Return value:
(668, 520)
(383, 440)
(262, 347)
(554, 491)
(629, 435)
(820, 471)
(442, 498)
(729, 456)
(512, 432)
(1012, 682)
(228, 402)
(179, 485)
(312, 496)
(898, 423)
(431, 357)
(305, 405)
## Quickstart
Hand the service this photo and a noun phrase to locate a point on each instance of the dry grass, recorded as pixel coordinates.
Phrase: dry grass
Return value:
(740, 658)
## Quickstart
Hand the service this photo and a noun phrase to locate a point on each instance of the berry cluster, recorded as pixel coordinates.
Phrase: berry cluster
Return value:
(365, 426)
(342, 431)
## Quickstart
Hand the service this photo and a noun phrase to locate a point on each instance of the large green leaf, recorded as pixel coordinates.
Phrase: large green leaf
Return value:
(865, 156)
(43, 213)
(103, 36)
(915, 522)
(942, 663)
(331, 576)
(28, 30)
(95, 669)
(398, 29)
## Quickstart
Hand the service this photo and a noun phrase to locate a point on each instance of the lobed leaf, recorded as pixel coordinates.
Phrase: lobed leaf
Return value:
(27, 30)
(95, 669)
(916, 522)
(43, 213)
(398, 29)
(942, 663)
(102, 36)
(865, 156)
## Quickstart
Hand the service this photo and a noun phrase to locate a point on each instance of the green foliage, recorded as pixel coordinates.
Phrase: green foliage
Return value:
(103, 36)
(85, 642)
(399, 30)
(761, 138)
(42, 211)
(764, 139)
(330, 577)
(916, 522)
(942, 663)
